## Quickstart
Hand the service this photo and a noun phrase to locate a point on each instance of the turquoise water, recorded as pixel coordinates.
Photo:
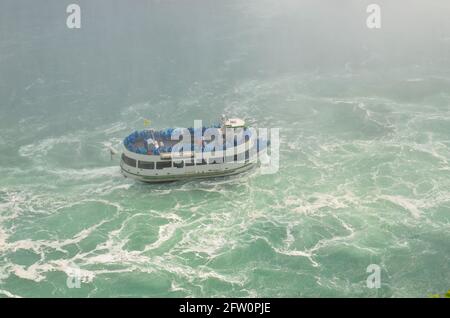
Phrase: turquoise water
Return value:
(364, 172)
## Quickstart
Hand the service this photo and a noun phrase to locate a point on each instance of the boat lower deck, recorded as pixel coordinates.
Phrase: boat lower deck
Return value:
(187, 176)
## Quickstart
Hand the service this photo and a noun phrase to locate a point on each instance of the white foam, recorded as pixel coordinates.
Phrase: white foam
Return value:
(113, 128)
(3, 238)
(297, 253)
(165, 233)
(286, 250)
(86, 174)
(408, 204)
(175, 287)
(321, 200)
(108, 188)
(8, 294)
(415, 80)
(42, 147)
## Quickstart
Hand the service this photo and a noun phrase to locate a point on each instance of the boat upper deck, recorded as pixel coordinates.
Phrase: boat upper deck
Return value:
(154, 142)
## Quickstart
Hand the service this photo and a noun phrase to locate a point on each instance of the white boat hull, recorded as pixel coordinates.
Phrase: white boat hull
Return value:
(167, 177)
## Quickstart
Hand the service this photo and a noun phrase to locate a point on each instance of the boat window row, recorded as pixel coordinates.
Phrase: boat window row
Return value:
(129, 161)
(150, 165)
(174, 164)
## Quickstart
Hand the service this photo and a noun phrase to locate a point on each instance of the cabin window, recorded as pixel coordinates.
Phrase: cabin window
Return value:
(215, 161)
(146, 165)
(163, 164)
(189, 163)
(201, 163)
(229, 159)
(179, 164)
(128, 161)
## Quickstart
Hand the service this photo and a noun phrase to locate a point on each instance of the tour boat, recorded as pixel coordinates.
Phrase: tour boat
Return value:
(190, 153)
